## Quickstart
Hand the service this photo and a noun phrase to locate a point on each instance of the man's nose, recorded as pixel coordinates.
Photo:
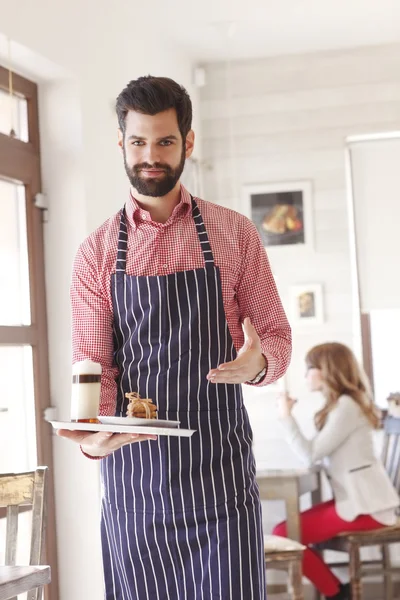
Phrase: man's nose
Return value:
(151, 154)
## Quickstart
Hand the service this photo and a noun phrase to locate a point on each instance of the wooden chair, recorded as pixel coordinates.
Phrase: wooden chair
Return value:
(353, 542)
(282, 553)
(18, 490)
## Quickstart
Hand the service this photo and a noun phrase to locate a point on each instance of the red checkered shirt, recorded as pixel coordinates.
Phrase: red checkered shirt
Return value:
(248, 287)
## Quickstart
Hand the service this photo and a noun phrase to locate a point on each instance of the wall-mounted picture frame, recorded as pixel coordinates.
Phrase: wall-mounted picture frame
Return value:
(282, 212)
(306, 304)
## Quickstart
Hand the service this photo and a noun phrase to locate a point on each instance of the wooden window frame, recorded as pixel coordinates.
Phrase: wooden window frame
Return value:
(20, 163)
(366, 342)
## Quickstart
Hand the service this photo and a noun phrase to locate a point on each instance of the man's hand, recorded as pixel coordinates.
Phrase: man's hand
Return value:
(102, 443)
(248, 363)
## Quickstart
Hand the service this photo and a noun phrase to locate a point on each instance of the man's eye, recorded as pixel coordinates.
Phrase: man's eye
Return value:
(137, 143)
(166, 143)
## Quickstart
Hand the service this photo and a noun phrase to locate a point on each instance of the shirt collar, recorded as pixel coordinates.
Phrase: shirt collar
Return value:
(136, 215)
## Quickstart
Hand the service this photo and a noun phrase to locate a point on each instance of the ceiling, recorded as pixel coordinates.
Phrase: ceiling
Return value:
(214, 30)
(205, 30)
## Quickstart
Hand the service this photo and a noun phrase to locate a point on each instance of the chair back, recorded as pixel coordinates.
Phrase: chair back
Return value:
(25, 489)
(391, 449)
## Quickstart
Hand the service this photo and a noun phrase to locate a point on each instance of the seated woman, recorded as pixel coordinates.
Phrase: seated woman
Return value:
(364, 497)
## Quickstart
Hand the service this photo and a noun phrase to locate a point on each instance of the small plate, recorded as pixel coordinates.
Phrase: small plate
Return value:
(136, 421)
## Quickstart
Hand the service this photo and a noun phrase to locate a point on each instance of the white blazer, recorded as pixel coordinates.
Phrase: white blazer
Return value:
(360, 483)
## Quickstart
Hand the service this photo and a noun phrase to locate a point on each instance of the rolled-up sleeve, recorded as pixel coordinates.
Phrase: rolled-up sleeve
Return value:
(258, 299)
(92, 324)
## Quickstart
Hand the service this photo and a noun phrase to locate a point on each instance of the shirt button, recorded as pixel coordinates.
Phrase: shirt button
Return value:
(165, 266)
(144, 217)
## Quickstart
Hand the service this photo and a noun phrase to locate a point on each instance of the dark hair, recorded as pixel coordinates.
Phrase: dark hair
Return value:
(150, 95)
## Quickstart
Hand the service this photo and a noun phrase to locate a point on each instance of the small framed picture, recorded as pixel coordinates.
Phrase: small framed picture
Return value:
(282, 212)
(306, 304)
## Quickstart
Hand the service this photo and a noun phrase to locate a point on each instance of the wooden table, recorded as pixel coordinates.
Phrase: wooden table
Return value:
(18, 580)
(288, 485)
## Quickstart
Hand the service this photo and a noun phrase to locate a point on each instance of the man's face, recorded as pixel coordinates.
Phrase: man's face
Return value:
(154, 152)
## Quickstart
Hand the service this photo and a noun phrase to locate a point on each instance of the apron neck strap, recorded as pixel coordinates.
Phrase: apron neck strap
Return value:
(203, 235)
(122, 243)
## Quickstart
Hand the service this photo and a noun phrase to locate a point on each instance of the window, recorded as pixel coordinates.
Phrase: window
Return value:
(14, 115)
(25, 438)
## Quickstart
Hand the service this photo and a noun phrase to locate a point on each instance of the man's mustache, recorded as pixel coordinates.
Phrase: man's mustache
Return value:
(159, 166)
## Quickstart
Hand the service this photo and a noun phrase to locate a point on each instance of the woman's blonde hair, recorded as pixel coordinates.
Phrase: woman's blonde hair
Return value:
(341, 374)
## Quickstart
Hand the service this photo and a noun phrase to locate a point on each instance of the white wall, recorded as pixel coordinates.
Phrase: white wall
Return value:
(286, 119)
(82, 54)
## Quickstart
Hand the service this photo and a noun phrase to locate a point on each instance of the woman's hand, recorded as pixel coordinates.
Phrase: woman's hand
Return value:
(285, 405)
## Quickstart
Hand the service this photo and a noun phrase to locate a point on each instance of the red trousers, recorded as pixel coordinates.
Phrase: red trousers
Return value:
(318, 524)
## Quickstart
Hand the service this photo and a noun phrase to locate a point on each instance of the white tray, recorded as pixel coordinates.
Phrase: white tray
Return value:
(136, 421)
(153, 429)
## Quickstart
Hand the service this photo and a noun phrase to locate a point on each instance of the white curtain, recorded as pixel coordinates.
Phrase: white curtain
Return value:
(375, 167)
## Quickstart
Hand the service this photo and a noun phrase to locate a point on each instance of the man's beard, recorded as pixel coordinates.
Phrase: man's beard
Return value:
(155, 187)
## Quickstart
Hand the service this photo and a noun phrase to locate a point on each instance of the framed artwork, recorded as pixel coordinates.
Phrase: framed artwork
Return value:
(282, 212)
(306, 304)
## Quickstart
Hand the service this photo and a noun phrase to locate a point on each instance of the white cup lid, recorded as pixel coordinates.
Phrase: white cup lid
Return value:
(86, 367)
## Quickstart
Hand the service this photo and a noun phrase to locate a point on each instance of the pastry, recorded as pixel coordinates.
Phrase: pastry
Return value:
(142, 408)
(282, 218)
(274, 221)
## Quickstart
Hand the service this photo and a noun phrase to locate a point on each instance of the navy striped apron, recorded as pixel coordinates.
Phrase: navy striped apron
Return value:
(181, 517)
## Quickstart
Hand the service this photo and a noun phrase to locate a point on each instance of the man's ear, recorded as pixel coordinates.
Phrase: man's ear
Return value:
(120, 139)
(189, 144)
